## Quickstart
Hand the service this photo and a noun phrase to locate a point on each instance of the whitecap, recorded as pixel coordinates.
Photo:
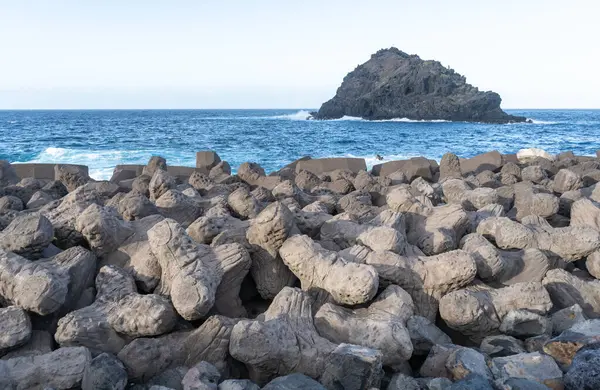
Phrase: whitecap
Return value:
(540, 122)
(349, 118)
(301, 115)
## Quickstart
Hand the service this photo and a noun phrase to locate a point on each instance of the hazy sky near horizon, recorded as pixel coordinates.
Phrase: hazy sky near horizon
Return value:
(285, 54)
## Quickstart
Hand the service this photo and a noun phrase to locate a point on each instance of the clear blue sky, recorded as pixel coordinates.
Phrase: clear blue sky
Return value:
(261, 54)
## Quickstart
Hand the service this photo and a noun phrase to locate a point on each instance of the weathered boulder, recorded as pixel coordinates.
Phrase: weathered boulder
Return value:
(27, 235)
(352, 367)
(566, 180)
(203, 376)
(426, 279)
(317, 268)
(585, 212)
(463, 362)
(120, 243)
(243, 204)
(72, 176)
(39, 199)
(505, 267)
(145, 357)
(567, 289)
(60, 369)
(176, 205)
(524, 323)
(134, 205)
(433, 229)
(478, 311)
(221, 173)
(583, 373)
(534, 173)
(267, 234)
(160, 183)
(533, 366)
(242, 384)
(571, 243)
(380, 326)
(344, 234)
(105, 372)
(293, 382)
(207, 159)
(10, 203)
(530, 201)
(15, 328)
(564, 347)
(285, 341)
(192, 273)
(63, 213)
(57, 281)
(141, 184)
(205, 229)
(564, 319)
(472, 381)
(40, 343)
(425, 335)
(490, 161)
(156, 163)
(117, 312)
(450, 167)
(501, 345)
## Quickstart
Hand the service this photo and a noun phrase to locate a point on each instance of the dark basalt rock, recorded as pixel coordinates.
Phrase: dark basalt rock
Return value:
(393, 84)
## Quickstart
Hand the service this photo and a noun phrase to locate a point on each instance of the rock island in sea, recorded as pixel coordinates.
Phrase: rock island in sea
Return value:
(393, 84)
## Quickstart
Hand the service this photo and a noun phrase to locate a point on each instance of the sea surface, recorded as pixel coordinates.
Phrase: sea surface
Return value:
(102, 139)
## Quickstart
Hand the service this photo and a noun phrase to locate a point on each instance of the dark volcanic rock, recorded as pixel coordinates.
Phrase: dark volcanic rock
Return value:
(393, 84)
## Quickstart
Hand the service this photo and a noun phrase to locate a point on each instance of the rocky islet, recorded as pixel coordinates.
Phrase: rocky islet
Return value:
(393, 84)
(468, 273)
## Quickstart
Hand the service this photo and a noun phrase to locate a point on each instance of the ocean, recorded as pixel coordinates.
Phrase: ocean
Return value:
(102, 139)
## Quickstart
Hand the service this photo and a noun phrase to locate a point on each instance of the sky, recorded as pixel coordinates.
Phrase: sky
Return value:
(286, 54)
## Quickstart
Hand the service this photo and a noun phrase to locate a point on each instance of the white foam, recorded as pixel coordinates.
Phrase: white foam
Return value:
(101, 163)
(301, 115)
(372, 159)
(101, 173)
(540, 122)
(349, 118)
(406, 120)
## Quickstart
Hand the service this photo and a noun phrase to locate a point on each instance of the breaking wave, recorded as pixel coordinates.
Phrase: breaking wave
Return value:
(304, 115)
(539, 122)
(101, 163)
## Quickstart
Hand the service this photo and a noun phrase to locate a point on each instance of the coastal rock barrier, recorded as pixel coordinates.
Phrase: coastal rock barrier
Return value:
(477, 273)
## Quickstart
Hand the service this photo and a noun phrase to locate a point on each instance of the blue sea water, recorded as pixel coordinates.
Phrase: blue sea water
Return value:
(102, 139)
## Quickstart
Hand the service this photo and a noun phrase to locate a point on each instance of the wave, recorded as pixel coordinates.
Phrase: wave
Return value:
(540, 122)
(301, 115)
(304, 115)
(101, 163)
